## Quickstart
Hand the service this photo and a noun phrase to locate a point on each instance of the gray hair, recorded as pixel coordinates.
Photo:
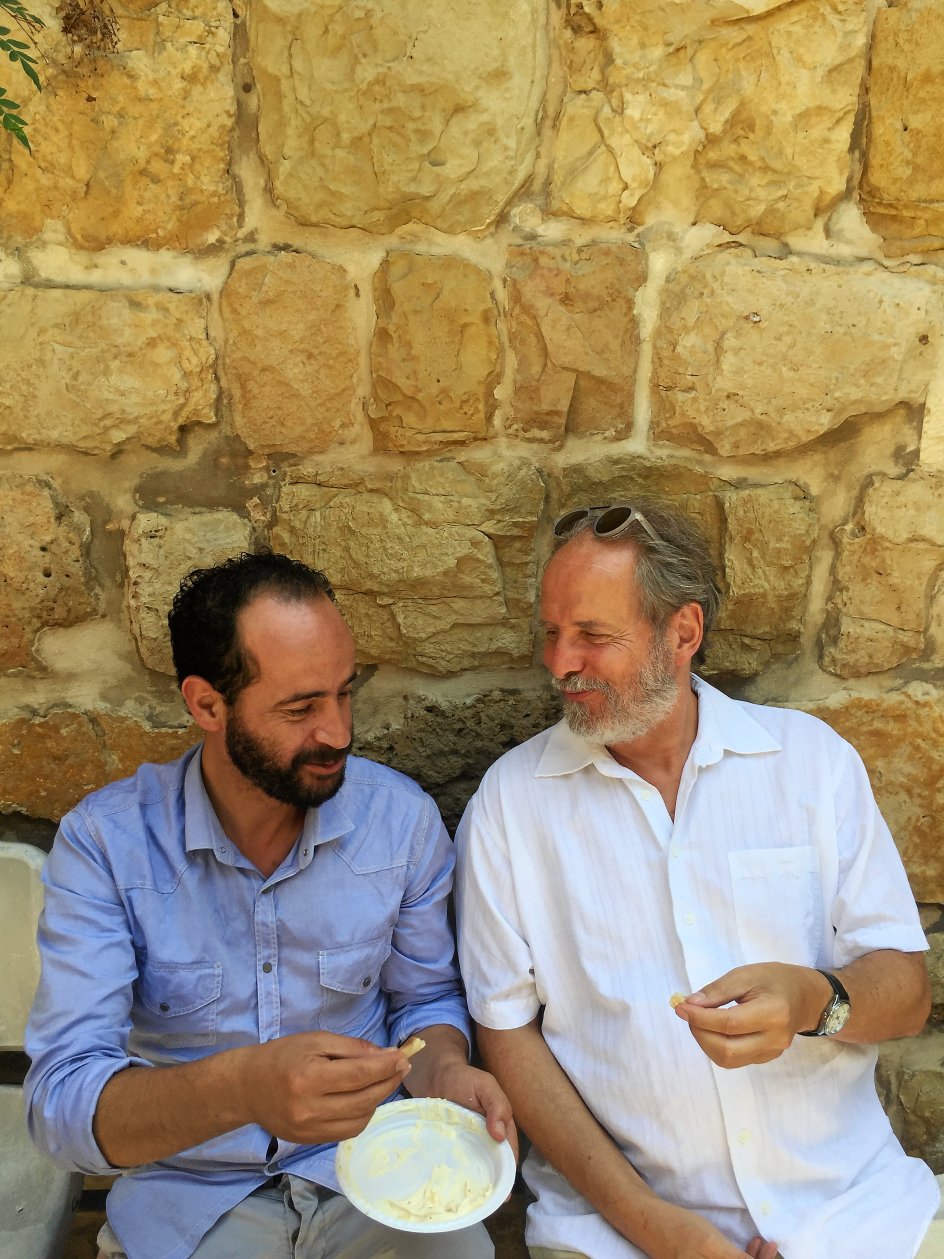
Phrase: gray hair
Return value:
(674, 570)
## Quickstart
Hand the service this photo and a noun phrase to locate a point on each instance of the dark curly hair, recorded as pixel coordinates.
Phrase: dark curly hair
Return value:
(203, 617)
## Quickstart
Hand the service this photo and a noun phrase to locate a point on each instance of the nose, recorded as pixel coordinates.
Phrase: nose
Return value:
(562, 657)
(333, 727)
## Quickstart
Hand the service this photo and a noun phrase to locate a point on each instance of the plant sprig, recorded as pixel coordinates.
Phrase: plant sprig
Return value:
(18, 52)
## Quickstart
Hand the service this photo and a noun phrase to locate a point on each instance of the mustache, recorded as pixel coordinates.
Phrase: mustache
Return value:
(320, 755)
(577, 682)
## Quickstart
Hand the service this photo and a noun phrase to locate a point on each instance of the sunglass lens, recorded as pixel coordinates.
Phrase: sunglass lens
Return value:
(611, 521)
(568, 521)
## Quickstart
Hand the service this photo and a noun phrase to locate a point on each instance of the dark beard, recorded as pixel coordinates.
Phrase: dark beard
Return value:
(282, 782)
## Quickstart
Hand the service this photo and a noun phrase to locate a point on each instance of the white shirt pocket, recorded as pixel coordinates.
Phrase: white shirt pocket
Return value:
(776, 897)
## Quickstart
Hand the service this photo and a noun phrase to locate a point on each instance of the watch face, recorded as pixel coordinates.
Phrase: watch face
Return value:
(836, 1018)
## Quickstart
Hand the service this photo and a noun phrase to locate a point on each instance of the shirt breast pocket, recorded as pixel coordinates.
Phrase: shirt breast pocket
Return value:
(176, 1007)
(776, 896)
(350, 978)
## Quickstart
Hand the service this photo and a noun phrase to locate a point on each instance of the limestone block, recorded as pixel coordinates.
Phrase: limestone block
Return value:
(435, 354)
(899, 736)
(159, 552)
(888, 567)
(130, 742)
(738, 114)
(768, 545)
(132, 148)
(447, 743)
(43, 564)
(910, 1080)
(95, 370)
(854, 647)
(375, 114)
(734, 655)
(48, 764)
(754, 355)
(289, 351)
(573, 330)
(902, 191)
(932, 920)
(433, 563)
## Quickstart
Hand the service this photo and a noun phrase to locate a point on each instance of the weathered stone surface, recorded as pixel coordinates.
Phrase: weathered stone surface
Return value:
(903, 181)
(130, 742)
(289, 351)
(447, 744)
(734, 655)
(888, 562)
(932, 920)
(159, 551)
(48, 764)
(769, 538)
(899, 737)
(854, 647)
(435, 353)
(573, 330)
(910, 1081)
(738, 114)
(375, 114)
(95, 370)
(433, 564)
(42, 563)
(131, 148)
(754, 355)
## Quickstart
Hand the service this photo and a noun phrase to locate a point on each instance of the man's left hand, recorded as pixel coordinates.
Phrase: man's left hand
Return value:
(442, 1070)
(773, 1001)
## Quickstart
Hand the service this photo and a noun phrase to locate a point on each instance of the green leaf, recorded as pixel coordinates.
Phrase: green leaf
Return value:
(31, 74)
(16, 43)
(7, 102)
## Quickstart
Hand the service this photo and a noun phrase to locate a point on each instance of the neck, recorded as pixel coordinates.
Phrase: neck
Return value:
(263, 829)
(660, 754)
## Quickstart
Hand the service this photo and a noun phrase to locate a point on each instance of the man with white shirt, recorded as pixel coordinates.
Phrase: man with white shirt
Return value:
(664, 839)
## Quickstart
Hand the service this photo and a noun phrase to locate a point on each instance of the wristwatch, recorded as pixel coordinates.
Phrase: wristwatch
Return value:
(836, 1015)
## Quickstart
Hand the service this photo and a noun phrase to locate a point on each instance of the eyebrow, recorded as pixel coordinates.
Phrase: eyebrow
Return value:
(592, 626)
(300, 695)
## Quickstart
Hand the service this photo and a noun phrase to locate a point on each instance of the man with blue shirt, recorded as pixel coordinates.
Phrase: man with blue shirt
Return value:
(235, 945)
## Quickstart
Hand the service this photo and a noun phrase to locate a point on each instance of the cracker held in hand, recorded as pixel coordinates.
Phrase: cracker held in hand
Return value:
(412, 1046)
(676, 999)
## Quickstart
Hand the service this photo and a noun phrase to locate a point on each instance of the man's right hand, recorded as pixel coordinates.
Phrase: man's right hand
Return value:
(314, 1087)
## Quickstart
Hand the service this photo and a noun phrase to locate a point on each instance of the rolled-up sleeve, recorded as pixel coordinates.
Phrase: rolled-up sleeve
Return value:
(421, 975)
(77, 1037)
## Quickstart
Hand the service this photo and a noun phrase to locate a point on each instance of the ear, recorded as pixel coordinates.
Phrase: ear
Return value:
(207, 706)
(687, 629)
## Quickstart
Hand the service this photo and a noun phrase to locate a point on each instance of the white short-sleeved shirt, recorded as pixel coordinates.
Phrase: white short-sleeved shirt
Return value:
(578, 893)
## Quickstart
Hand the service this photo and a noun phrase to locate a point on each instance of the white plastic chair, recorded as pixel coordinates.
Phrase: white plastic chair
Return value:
(36, 1197)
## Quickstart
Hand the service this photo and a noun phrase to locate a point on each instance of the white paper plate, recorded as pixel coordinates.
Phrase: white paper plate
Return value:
(426, 1166)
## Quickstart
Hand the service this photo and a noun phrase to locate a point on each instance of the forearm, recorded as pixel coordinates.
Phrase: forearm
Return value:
(551, 1111)
(149, 1113)
(889, 993)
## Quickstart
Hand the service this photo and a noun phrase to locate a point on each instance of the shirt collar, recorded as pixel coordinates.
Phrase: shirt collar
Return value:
(723, 726)
(202, 828)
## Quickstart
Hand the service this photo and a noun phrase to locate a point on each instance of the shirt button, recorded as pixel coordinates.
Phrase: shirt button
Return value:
(744, 1137)
(645, 794)
(690, 919)
(267, 966)
(765, 1208)
(164, 1006)
(673, 851)
(366, 982)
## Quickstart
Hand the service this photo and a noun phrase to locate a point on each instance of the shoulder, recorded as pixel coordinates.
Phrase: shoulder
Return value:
(363, 777)
(150, 785)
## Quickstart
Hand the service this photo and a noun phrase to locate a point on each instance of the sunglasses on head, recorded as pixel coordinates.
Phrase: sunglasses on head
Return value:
(606, 522)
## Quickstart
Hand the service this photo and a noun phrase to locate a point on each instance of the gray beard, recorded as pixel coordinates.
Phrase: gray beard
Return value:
(628, 714)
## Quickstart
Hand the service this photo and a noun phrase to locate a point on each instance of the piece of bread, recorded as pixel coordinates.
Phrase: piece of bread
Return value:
(412, 1046)
(676, 999)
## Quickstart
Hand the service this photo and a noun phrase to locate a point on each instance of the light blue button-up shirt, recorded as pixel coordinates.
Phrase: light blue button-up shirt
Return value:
(161, 943)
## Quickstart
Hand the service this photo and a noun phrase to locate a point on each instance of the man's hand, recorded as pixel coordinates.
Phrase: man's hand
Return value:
(774, 1001)
(315, 1086)
(445, 1072)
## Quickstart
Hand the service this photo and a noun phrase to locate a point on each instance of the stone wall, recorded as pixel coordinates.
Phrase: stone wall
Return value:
(390, 285)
